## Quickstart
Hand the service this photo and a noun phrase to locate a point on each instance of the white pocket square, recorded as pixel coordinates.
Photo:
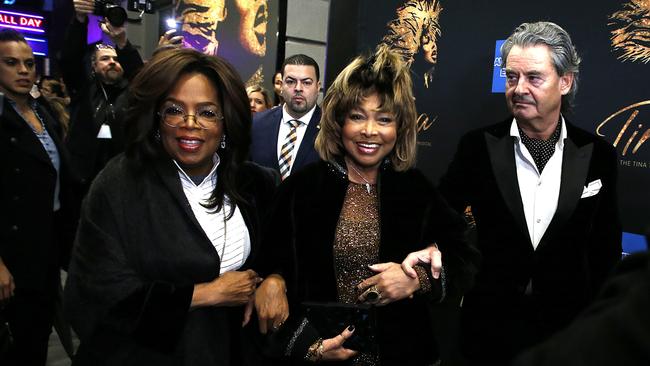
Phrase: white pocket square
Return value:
(592, 189)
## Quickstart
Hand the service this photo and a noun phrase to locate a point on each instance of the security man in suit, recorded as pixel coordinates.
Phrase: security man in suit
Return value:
(283, 137)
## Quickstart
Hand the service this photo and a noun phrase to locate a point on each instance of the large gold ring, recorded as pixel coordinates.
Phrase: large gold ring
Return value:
(372, 294)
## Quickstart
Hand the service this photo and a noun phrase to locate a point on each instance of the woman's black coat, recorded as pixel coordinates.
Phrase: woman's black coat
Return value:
(34, 241)
(139, 251)
(299, 245)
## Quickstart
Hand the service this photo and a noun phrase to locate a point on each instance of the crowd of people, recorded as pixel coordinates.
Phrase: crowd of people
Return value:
(205, 222)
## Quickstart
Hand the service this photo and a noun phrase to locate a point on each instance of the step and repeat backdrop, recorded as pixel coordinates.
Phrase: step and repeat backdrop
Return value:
(453, 51)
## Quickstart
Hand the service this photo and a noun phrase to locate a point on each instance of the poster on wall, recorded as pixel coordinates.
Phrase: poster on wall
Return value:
(452, 48)
(244, 32)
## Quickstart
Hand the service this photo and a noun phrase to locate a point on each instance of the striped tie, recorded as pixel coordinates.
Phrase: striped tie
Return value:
(284, 161)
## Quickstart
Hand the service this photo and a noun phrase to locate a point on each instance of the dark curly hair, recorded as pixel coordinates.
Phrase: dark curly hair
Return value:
(152, 85)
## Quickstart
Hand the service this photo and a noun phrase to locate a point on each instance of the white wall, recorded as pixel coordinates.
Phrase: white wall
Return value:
(307, 30)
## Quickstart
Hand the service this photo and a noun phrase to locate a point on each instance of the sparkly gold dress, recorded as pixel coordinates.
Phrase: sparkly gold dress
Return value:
(356, 245)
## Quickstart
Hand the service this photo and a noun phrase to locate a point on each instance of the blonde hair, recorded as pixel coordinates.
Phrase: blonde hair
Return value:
(383, 73)
(258, 88)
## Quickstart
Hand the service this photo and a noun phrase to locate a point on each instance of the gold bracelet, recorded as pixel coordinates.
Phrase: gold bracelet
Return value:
(315, 351)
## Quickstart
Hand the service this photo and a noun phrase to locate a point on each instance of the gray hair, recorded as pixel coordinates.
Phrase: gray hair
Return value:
(563, 54)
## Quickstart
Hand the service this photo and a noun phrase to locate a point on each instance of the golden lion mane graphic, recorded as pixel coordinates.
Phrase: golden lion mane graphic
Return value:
(416, 26)
(632, 33)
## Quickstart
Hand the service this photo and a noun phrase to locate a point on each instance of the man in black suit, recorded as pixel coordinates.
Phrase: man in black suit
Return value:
(543, 196)
(36, 227)
(283, 137)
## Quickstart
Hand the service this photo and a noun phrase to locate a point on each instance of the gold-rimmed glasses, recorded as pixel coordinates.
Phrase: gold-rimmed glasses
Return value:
(174, 115)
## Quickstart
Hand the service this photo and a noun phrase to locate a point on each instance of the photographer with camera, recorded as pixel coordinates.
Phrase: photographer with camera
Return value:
(99, 92)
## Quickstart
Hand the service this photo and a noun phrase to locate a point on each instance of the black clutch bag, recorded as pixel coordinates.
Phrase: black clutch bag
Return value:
(330, 319)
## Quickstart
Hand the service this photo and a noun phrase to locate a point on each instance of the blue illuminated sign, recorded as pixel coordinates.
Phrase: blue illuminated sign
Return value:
(32, 26)
(39, 46)
(498, 74)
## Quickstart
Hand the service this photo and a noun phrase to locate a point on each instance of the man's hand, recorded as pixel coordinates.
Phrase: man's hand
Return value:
(7, 285)
(170, 40)
(82, 8)
(429, 255)
(391, 282)
(271, 304)
(117, 34)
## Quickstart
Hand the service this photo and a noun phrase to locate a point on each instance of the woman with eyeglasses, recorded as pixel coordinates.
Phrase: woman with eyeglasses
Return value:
(161, 268)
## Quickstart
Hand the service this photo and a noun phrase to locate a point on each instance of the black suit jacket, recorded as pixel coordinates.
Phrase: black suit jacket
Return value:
(34, 241)
(264, 148)
(614, 330)
(579, 248)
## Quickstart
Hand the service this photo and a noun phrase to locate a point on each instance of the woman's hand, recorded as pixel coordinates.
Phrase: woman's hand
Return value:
(271, 305)
(7, 285)
(230, 289)
(391, 283)
(333, 349)
(429, 255)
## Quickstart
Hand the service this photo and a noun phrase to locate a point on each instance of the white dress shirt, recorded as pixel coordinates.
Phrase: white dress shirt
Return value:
(539, 192)
(300, 130)
(230, 238)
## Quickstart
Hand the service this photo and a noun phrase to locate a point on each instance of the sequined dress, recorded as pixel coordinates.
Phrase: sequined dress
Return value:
(356, 245)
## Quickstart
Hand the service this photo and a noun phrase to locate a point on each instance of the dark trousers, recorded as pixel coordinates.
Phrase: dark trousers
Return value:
(30, 316)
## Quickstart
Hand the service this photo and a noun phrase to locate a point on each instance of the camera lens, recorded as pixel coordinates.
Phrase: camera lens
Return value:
(115, 15)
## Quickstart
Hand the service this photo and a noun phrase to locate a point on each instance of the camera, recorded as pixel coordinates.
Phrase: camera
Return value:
(148, 6)
(115, 14)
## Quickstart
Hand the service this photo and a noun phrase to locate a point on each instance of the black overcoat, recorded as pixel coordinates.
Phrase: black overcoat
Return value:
(34, 240)
(139, 251)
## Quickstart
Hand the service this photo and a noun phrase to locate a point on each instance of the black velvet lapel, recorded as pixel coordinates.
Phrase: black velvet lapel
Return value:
(168, 173)
(26, 139)
(314, 218)
(328, 211)
(575, 165)
(502, 157)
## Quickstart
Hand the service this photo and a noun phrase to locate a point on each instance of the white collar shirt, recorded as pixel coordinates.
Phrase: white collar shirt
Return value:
(285, 128)
(230, 238)
(539, 192)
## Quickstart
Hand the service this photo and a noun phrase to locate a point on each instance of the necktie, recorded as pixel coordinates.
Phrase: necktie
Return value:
(284, 161)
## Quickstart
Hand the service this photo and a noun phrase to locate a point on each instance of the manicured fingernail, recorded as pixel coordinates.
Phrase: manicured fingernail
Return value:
(436, 275)
(351, 328)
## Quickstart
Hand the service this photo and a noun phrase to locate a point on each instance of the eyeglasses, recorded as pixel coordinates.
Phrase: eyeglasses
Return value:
(104, 46)
(205, 117)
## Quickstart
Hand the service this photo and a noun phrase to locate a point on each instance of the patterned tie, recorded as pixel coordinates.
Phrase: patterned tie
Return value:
(284, 161)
